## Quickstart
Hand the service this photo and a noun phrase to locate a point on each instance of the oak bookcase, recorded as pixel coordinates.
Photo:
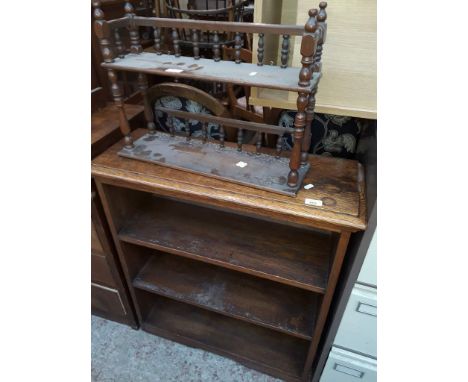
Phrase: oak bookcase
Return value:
(241, 272)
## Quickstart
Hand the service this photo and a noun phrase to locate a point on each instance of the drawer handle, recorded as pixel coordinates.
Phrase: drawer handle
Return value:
(368, 309)
(349, 371)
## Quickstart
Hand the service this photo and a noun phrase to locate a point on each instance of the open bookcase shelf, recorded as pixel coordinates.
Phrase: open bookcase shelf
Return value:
(282, 308)
(273, 251)
(250, 344)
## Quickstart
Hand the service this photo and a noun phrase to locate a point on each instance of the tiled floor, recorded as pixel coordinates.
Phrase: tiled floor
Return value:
(121, 354)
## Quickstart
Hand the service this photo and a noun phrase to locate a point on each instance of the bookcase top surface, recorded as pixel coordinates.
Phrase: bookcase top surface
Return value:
(337, 183)
(265, 76)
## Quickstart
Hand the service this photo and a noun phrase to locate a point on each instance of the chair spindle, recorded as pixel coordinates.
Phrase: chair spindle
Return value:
(196, 49)
(157, 40)
(118, 43)
(221, 136)
(285, 51)
(279, 145)
(240, 138)
(187, 130)
(237, 47)
(170, 122)
(258, 145)
(175, 41)
(216, 50)
(205, 131)
(260, 49)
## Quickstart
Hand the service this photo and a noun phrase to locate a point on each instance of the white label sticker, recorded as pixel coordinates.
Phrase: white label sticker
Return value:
(172, 70)
(241, 164)
(252, 73)
(313, 202)
(308, 186)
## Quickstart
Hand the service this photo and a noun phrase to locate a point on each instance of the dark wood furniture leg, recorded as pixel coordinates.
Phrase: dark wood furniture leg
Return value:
(308, 47)
(149, 116)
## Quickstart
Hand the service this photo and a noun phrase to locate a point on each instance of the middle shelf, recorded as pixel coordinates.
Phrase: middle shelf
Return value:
(263, 302)
(285, 254)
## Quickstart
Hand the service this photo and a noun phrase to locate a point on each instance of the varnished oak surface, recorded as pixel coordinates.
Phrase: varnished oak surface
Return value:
(265, 76)
(261, 348)
(269, 250)
(338, 182)
(251, 299)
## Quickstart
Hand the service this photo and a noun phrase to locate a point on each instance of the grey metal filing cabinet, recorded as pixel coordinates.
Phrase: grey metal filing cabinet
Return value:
(353, 356)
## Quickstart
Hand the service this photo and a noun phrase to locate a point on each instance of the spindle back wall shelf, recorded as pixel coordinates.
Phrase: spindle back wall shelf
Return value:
(256, 168)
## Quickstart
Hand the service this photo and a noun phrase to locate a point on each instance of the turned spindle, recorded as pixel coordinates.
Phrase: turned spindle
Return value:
(308, 47)
(120, 50)
(237, 47)
(205, 131)
(308, 128)
(117, 94)
(216, 49)
(285, 51)
(175, 41)
(157, 40)
(171, 124)
(221, 136)
(299, 123)
(103, 33)
(240, 138)
(149, 116)
(187, 130)
(279, 145)
(135, 45)
(322, 29)
(196, 49)
(260, 49)
(258, 144)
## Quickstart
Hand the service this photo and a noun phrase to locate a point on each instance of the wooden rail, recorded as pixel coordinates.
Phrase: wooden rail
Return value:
(238, 124)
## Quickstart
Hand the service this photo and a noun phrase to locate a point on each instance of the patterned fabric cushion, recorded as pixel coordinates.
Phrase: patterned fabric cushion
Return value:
(332, 135)
(180, 125)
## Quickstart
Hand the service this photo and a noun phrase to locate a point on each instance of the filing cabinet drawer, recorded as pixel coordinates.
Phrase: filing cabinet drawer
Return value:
(368, 274)
(358, 328)
(345, 366)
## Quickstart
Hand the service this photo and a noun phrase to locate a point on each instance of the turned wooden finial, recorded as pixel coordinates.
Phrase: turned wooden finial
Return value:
(135, 45)
(98, 13)
(128, 8)
(103, 32)
(322, 15)
(311, 24)
(322, 32)
(308, 48)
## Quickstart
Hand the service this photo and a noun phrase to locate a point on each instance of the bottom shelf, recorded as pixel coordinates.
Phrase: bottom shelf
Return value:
(259, 348)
